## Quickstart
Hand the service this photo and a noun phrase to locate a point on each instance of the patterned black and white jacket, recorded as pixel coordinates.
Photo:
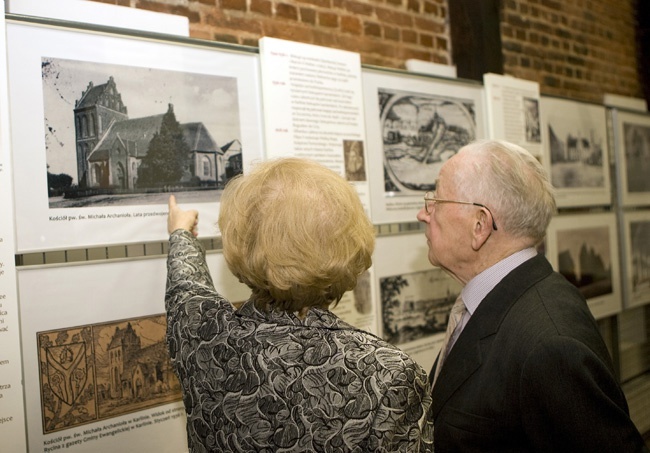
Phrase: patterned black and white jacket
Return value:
(256, 381)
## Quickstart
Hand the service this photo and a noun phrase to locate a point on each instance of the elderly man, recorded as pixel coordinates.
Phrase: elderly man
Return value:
(523, 367)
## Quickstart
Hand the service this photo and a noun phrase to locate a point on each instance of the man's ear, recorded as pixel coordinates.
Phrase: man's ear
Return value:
(482, 228)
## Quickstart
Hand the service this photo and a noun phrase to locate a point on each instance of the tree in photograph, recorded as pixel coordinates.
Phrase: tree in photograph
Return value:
(57, 184)
(390, 288)
(168, 155)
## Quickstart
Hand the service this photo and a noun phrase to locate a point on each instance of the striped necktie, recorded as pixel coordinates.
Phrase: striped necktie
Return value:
(457, 312)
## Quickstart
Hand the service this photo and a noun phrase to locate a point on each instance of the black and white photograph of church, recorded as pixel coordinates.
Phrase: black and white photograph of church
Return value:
(122, 135)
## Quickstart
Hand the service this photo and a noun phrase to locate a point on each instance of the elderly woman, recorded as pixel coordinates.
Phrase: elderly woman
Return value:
(283, 373)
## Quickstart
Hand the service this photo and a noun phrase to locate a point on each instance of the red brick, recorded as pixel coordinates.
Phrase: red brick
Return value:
(319, 3)
(280, 30)
(372, 29)
(426, 40)
(431, 8)
(409, 36)
(243, 24)
(221, 37)
(308, 16)
(237, 5)
(261, 6)
(286, 11)
(429, 25)
(327, 19)
(413, 5)
(391, 33)
(351, 24)
(358, 8)
(393, 17)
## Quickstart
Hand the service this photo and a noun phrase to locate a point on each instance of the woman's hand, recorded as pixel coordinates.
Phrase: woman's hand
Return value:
(178, 218)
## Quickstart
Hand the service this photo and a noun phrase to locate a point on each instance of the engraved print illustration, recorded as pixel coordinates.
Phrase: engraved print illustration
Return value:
(420, 132)
(94, 372)
(417, 304)
(122, 135)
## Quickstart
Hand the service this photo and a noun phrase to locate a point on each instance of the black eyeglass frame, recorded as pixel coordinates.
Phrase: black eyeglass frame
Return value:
(429, 197)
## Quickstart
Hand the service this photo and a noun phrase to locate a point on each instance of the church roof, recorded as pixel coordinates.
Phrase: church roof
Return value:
(231, 148)
(136, 134)
(198, 138)
(105, 94)
(91, 96)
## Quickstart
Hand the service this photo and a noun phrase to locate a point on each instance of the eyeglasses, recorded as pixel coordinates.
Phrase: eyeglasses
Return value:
(430, 200)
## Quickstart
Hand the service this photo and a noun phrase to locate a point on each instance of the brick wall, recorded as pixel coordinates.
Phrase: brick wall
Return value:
(579, 49)
(384, 32)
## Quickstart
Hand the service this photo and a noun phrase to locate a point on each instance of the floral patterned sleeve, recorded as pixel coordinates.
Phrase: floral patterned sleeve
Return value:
(187, 272)
(403, 421)
(190, 299)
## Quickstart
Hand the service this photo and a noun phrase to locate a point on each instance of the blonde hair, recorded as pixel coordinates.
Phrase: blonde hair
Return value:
(296, 233)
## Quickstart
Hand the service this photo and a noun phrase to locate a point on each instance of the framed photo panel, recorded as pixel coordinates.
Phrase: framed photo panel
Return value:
(632, 132)
(575, 151)
(97, 374)
(636, 257)
(415, 298)
(105, 127)
(584, 248)
(414, 123)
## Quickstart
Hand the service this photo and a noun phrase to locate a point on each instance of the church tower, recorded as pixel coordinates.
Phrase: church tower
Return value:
(98, 107)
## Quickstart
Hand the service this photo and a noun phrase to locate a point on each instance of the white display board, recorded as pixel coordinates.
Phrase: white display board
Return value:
(314, 107)
(89, 110)
(96, 367)
(12, 425)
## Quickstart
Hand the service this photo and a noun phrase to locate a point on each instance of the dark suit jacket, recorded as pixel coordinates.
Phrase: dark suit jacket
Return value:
(531, 372)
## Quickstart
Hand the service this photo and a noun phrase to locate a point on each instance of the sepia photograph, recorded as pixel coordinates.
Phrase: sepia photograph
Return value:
(353, 156)
(584, 259)
(584, 249)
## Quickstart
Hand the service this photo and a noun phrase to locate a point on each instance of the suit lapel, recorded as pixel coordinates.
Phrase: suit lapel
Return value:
(466, 355)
